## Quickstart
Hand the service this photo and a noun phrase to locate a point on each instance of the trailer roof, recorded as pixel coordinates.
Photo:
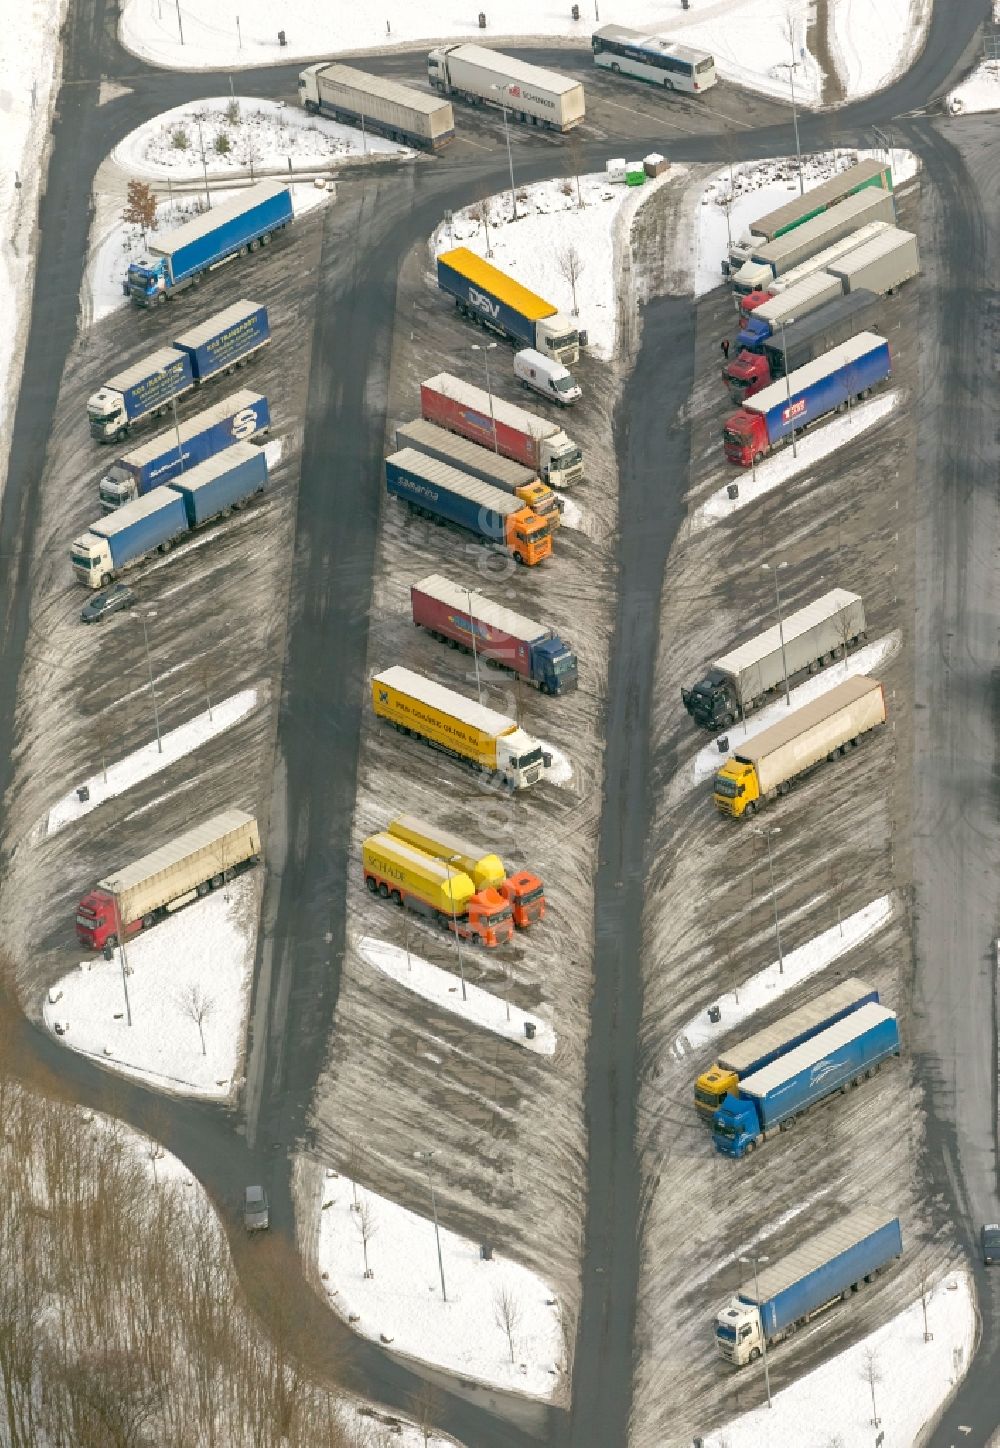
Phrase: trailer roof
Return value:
(157, 361)
(152, 502)
(221, 462)
(453, 595)
(464, 485)
(201, 225)
(804, 718)
(820, 263)
(796, 624)
(446, 701)
(212, 326)
(815, 323)
(483, 274)
(454, 844)
(851, 208)
(417, 859)
(816, 1250)
(803, 290)
(812, 1052)
(466, 394)
(218, 412)
(845, 354)
(893, 239)
(515, 474)
(821, 195)
(380, 85)
(519, 70)
(198, 838)
(737, 1058)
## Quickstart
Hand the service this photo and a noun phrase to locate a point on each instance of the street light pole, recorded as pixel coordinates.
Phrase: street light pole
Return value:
(763, 1338)
(486, 348)
(795, 113)
(788, 385)
(766, 568)
(454, 921)
(425, 1157)
(774, 894)
(149, 665)
(121, 949)
(510, 160)
(475, 652)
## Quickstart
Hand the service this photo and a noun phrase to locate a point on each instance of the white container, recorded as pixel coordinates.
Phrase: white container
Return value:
(547, 376)
(616, 170)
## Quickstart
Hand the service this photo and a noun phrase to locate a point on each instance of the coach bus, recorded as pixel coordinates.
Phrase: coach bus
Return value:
(653, 58)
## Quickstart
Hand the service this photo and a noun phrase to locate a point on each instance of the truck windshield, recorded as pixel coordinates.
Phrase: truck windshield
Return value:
(707, 1098)
(564, 384)
(728, 1334)
(722, 1129)
(566, 460)
(565, 664)
(87, 921)
(725, 786)
(734, 435)
(82, 560)
(527, 760)
(568, 339)
(490, 922)
(101, 414)
(531, 895)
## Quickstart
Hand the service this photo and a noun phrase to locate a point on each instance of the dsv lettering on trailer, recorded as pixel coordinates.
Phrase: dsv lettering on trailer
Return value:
(484, 303)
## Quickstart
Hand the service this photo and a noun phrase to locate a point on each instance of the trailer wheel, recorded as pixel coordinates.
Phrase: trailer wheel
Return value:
(616, 68)
(383, 890)
(397, 897)
(203, 888)
(216, 882)
(751, 1147)
(243, 251)
(252, 245)
(121, 434)
(754, 1354)
(372, 884)
(148, 921)
(166, 545)
(265, 239)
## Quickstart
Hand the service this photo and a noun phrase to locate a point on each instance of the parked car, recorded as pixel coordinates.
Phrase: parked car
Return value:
(991, 1243)
(256, 1217)
(110, 600)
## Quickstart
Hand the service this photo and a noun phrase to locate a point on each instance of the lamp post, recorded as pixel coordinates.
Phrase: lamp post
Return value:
(788, 384)
(795, 113)
(454, 922)
(766, 568)
(486, 348)
(475, 651)
(204, 163)
(510, 160)
(757, 1257)
(143, 616)
(425, 1157)
(113, 886)
(767, 833)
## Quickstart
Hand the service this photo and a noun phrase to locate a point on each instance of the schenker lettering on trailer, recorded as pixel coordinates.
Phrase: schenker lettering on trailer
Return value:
(516, 91)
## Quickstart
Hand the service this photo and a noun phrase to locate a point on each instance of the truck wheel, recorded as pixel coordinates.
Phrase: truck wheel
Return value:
(383, 890)
(121, 434)
(112, 940)
(265, 239)
(397, 898)
(754, 1354)
(166, 545)
(372, 884)
(251, 246)
(203, 888)
(105, 579)
(518, 558)
(243, 251)
(216, 882)
(751, 809)
(161, 300)
(751, 1147)
(148, 921)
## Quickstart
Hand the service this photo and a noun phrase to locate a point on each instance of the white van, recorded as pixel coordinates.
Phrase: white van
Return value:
(546, 376)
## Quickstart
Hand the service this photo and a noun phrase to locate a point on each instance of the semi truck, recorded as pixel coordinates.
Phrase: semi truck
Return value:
(510, 430)
(881, 265)
(803, 208)
(480, 462)
(502, 305)
(435, 490)
(139, 895)
(771, 1099)
(829, 1267)
(240, 418)
(806, 339)
(385, 106)
(723, 1077)
(437, 889)
(155, 522)
(525, 92)
(848, 371)
(766, 765)
(779, 256)
(180, 258)
(523, 890)
(762, 311)
(741, 681)
(458, 726)
(464, 619)
(224, 342)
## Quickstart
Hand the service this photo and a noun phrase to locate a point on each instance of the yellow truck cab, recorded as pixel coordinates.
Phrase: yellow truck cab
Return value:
(736, 787)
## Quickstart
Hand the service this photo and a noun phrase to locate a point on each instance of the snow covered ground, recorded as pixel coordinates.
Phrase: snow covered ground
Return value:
(981, 90)
(771, 983)
(873, 41)
(124, 773)
(443, 987)
(913, 1376)
(207, 949)
(869, 659)
(401, 1302)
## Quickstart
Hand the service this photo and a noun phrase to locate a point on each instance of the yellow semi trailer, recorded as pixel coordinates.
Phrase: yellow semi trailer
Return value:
(436, 888)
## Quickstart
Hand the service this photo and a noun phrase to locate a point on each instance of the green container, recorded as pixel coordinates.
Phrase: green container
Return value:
(634, 175)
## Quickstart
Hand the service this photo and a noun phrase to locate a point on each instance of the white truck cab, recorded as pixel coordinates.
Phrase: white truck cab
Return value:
(520, 759)
(546, 376)
(738, 1334)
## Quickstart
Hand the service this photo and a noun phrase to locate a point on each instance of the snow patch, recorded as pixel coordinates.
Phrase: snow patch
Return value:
(874, 41)
(572, 514)
(560, 770)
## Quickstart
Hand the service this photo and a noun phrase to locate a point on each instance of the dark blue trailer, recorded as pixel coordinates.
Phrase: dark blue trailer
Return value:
(829, 1267)
(227, 340)
(223, 482)
(181, 256)
(127, 535)
(841, 1056)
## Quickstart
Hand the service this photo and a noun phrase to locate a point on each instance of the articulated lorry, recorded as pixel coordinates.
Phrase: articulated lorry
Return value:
(502, 426)
(835, 1059)
(385, 106)
(809, 270)
(882, 265)
(224, 342)
(481, 737)
(522, 890)
(803, 208)
(502, 305)
(829, 1267)
(243, 417)
(443, 494)
(776, 257)
(468, 621)
(528, 93)
(480, 462)
(846, 372)
(436, 888)
(761, 313)
(135, 897)
(154, 523)
(180, 258)
(723, 1077)
(741, 681)
(802, 341)
(767, 764)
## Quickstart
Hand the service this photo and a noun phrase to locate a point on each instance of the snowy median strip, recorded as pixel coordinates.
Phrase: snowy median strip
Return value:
(866, 660)
(811, 447)
(150, 760)
(908, 1370)
(771, 983)
(500, 1324)
(197, 963)
(480, 1007)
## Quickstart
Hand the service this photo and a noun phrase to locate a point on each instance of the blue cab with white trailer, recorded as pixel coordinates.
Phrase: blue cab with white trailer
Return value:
(829, 1267)
(840, 1057)
(180, 257)
(242, 417)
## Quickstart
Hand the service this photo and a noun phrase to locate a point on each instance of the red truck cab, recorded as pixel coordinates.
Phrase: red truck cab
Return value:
(751, 301)
(744, 438)
(97, 923)
(746, 374)
(489, 920)
(526, 895)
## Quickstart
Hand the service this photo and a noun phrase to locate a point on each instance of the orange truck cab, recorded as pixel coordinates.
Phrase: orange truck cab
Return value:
(525, 894)
(523, 890)
(437, 889)
(529, 536)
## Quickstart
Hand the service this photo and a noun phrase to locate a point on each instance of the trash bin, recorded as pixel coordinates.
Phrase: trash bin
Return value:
(714, 1015)
(83, 793)
(575, 12)
(722, 744)
(529, 1030)
(482, 19)
(486, 1251)
(583, 338)
(281, 38)
(732, 490)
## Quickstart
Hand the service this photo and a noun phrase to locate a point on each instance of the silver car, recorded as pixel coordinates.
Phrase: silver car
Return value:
(255, 1213)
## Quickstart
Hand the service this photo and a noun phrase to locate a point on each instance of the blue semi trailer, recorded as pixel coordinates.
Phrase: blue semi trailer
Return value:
(770, 1099)
(829, 1267)
(504, 306)
(242, 417)
(155, 522)
(180, 257)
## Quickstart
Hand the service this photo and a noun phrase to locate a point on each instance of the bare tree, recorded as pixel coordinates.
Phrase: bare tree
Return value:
(140, 207)
(571, 265)
(425, 1407)
(872, 1374)
(367, 1225)
(924, 1283)
(481, 213)
(576, 163)
(249, 152)
(507, 1314)
(198, 1006)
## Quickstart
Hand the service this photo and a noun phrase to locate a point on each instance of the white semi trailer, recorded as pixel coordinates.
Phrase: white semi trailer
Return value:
(528, 92)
